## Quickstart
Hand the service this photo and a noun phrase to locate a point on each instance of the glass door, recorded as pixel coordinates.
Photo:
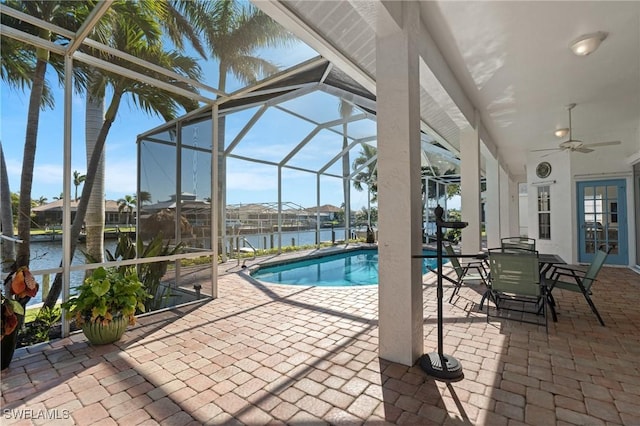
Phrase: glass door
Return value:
(602, 218)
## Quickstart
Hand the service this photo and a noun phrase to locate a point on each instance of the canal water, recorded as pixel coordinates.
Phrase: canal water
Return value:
(48, 254)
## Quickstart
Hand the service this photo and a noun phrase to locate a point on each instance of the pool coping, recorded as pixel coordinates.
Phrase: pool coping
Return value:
(315, 254)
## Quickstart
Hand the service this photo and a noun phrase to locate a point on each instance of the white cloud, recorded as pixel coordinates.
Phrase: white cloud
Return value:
(256, 179)
(120, 178)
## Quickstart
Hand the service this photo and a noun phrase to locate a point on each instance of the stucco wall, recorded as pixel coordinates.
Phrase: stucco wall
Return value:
(607, 162)
(562, 222)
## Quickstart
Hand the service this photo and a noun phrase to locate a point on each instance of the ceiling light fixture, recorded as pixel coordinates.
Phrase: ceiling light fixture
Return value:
(587, 44)
(561, 133)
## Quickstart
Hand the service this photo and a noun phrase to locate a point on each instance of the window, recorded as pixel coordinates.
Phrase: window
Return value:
(544, 213)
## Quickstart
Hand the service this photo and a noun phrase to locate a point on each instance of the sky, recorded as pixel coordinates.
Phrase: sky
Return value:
(274, 136)
(246, 182)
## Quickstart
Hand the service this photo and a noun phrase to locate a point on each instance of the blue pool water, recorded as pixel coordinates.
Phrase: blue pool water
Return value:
(346, 269)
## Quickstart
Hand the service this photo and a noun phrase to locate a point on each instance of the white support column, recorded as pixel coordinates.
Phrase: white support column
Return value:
(215, 210)
(492, 217)
(470, 188)
(509, 205)
(400, 278)
(66, 179)
(318, 210)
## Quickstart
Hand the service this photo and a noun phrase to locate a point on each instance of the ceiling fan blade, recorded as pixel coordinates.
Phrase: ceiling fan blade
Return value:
(547, 149)
(602, 143)
(551, 153)
(584, 150)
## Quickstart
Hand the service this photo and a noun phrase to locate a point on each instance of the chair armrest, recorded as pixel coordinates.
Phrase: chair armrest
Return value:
(567, 270)
(579, 268)
(556, 275)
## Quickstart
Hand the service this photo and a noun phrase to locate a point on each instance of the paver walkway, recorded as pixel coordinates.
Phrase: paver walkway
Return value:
(268, 354)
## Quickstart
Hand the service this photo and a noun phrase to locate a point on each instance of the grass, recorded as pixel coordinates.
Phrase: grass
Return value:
(32, 312)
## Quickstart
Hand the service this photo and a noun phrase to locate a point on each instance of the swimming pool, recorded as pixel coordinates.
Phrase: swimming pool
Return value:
(345, 269)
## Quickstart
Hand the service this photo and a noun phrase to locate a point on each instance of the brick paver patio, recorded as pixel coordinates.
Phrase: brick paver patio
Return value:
(270, 354)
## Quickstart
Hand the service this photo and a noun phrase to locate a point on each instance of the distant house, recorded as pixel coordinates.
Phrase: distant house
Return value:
(263, 217)
(195, 218)
(328, 213)
(50, 214)
(196, 211)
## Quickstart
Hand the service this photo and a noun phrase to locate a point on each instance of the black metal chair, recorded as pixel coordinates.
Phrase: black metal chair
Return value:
(515, 282)
(568, 277)
(518, 243)
(462, 271)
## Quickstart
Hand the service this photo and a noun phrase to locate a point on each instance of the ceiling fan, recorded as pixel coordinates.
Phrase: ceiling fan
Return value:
(576, 145)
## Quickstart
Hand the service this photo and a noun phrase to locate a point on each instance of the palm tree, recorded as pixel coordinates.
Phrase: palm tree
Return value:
(144, 197)
(451, 188)
(369, 175)
(65, 15)
(128, 37)
(6, 216)
(78, 178)
(59, 197)
(174, 16)
(41, 201)
(18, 65)
(234, 31)
(95, 217)
(127, 205)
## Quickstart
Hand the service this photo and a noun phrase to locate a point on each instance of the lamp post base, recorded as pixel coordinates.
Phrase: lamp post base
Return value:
(443, 367)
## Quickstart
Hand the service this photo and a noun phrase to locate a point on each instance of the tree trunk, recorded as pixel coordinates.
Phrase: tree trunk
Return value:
(28, 161)
(6, 216)
(56, 287)
(94, 221)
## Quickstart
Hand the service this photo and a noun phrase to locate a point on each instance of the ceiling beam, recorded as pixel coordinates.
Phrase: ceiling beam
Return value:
(280, 12)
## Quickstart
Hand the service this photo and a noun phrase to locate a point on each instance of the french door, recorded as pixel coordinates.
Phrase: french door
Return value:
(602, 218)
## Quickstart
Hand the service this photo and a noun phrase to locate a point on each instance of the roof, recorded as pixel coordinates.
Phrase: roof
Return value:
(109, 206)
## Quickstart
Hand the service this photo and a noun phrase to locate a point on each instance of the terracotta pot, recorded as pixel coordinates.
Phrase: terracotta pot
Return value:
(99, 334)
(8, 344)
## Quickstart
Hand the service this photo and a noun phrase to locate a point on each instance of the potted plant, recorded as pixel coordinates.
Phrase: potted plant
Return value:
(106, 303)
(19, 288)
(150, 274)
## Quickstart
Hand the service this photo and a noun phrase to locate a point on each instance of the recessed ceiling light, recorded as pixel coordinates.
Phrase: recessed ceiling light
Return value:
(561, 133)
(588, 43)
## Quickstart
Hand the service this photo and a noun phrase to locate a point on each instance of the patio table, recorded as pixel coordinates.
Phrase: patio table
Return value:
(546, 262)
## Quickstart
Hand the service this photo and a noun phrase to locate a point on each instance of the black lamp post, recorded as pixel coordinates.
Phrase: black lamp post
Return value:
(438, 364)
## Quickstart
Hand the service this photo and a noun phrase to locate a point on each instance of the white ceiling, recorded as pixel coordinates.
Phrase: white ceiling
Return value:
(511, 59)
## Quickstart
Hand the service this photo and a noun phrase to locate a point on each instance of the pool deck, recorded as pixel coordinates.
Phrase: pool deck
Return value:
(274, 354)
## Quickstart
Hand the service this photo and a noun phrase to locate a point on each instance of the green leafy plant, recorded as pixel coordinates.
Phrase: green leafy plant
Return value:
(107, 293)
(39, 329)
(150, 274)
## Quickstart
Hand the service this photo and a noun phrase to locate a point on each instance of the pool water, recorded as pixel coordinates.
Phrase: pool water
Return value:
(346, 269)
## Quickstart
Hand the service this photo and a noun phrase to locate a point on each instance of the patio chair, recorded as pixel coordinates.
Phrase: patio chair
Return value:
(572, 278)
(518, 243)
(515, 284)
(462, 271)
